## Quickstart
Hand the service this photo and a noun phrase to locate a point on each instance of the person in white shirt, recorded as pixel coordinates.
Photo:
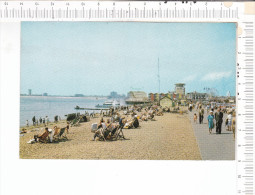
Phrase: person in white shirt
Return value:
(51, 134)
(229, 118)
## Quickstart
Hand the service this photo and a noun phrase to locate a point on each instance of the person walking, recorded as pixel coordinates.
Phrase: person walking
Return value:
(210, 121)
(27, 123)
(56, 119)
(47, 120)
(202, 112)
(219, 120)
(190, 107)
(234, 124)
(229, 123)
(33, 120)
(201, 115)
(40, 120)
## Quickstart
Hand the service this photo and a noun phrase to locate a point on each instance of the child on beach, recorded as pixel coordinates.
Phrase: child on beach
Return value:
(195, 118)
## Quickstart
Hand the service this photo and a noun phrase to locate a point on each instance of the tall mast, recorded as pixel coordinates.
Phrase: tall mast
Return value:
(158, 81)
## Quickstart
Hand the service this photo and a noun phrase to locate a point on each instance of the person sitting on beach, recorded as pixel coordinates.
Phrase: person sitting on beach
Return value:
(108, 128)
(100, 125)
(56, 131)
(135, 122)
(144, 117)
(111, 128)
(43, 136)
(23, 130)
(51, 134)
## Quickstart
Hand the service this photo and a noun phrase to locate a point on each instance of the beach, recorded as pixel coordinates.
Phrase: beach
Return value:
(170, 137)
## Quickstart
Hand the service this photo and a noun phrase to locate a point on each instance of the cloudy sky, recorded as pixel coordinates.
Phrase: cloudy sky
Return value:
(95, 58)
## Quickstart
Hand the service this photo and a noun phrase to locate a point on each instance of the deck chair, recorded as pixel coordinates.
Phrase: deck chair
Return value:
(99, 132)
(43, 137)
(102, 131)
(62, 133)
(56, 132)
(119, 133)
(76, 122)
(111, 132)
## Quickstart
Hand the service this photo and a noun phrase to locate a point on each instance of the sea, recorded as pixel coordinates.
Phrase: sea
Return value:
(42, 106)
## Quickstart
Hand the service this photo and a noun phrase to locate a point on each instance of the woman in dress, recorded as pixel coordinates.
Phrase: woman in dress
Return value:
(210, 121)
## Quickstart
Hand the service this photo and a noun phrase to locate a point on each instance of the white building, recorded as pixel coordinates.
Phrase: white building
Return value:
(137, 97)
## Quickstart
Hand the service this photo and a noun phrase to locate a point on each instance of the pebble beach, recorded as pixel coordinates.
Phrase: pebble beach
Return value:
(170, 137)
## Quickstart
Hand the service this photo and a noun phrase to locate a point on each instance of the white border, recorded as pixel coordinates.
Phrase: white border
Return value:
(93, 177)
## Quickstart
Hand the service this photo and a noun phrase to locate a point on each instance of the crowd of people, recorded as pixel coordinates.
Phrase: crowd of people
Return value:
(39, 121)
(50, 135)
(124, 118)
(215, 116)
(115, 119)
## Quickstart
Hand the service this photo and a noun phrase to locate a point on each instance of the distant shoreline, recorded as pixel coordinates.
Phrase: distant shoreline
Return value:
(50, 96)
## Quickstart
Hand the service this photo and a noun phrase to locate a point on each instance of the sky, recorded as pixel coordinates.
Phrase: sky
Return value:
(95, 58)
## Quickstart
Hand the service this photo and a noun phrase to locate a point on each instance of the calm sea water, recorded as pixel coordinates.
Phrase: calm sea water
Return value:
(39, 106)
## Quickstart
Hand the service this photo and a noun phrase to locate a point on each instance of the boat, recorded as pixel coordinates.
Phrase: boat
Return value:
(110, 103)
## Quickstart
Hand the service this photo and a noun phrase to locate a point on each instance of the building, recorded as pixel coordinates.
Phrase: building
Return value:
(114, 94)
(166, 102)
(175, 96)
(29, 91)
(137, 97)
(78, 95)
(197, 96)
(151, 97)
(180, 89)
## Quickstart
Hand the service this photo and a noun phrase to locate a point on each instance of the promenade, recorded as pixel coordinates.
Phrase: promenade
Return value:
(213, 146)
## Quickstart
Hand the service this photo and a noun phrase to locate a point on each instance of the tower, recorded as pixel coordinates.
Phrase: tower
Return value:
(180, 88)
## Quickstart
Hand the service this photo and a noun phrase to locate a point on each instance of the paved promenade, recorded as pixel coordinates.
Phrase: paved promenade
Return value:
(213, 146)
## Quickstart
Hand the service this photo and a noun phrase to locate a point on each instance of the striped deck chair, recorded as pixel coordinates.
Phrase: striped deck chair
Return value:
(43, 137)
(62, 133)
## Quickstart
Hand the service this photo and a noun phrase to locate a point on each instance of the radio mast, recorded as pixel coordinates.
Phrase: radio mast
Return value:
(158, 84)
